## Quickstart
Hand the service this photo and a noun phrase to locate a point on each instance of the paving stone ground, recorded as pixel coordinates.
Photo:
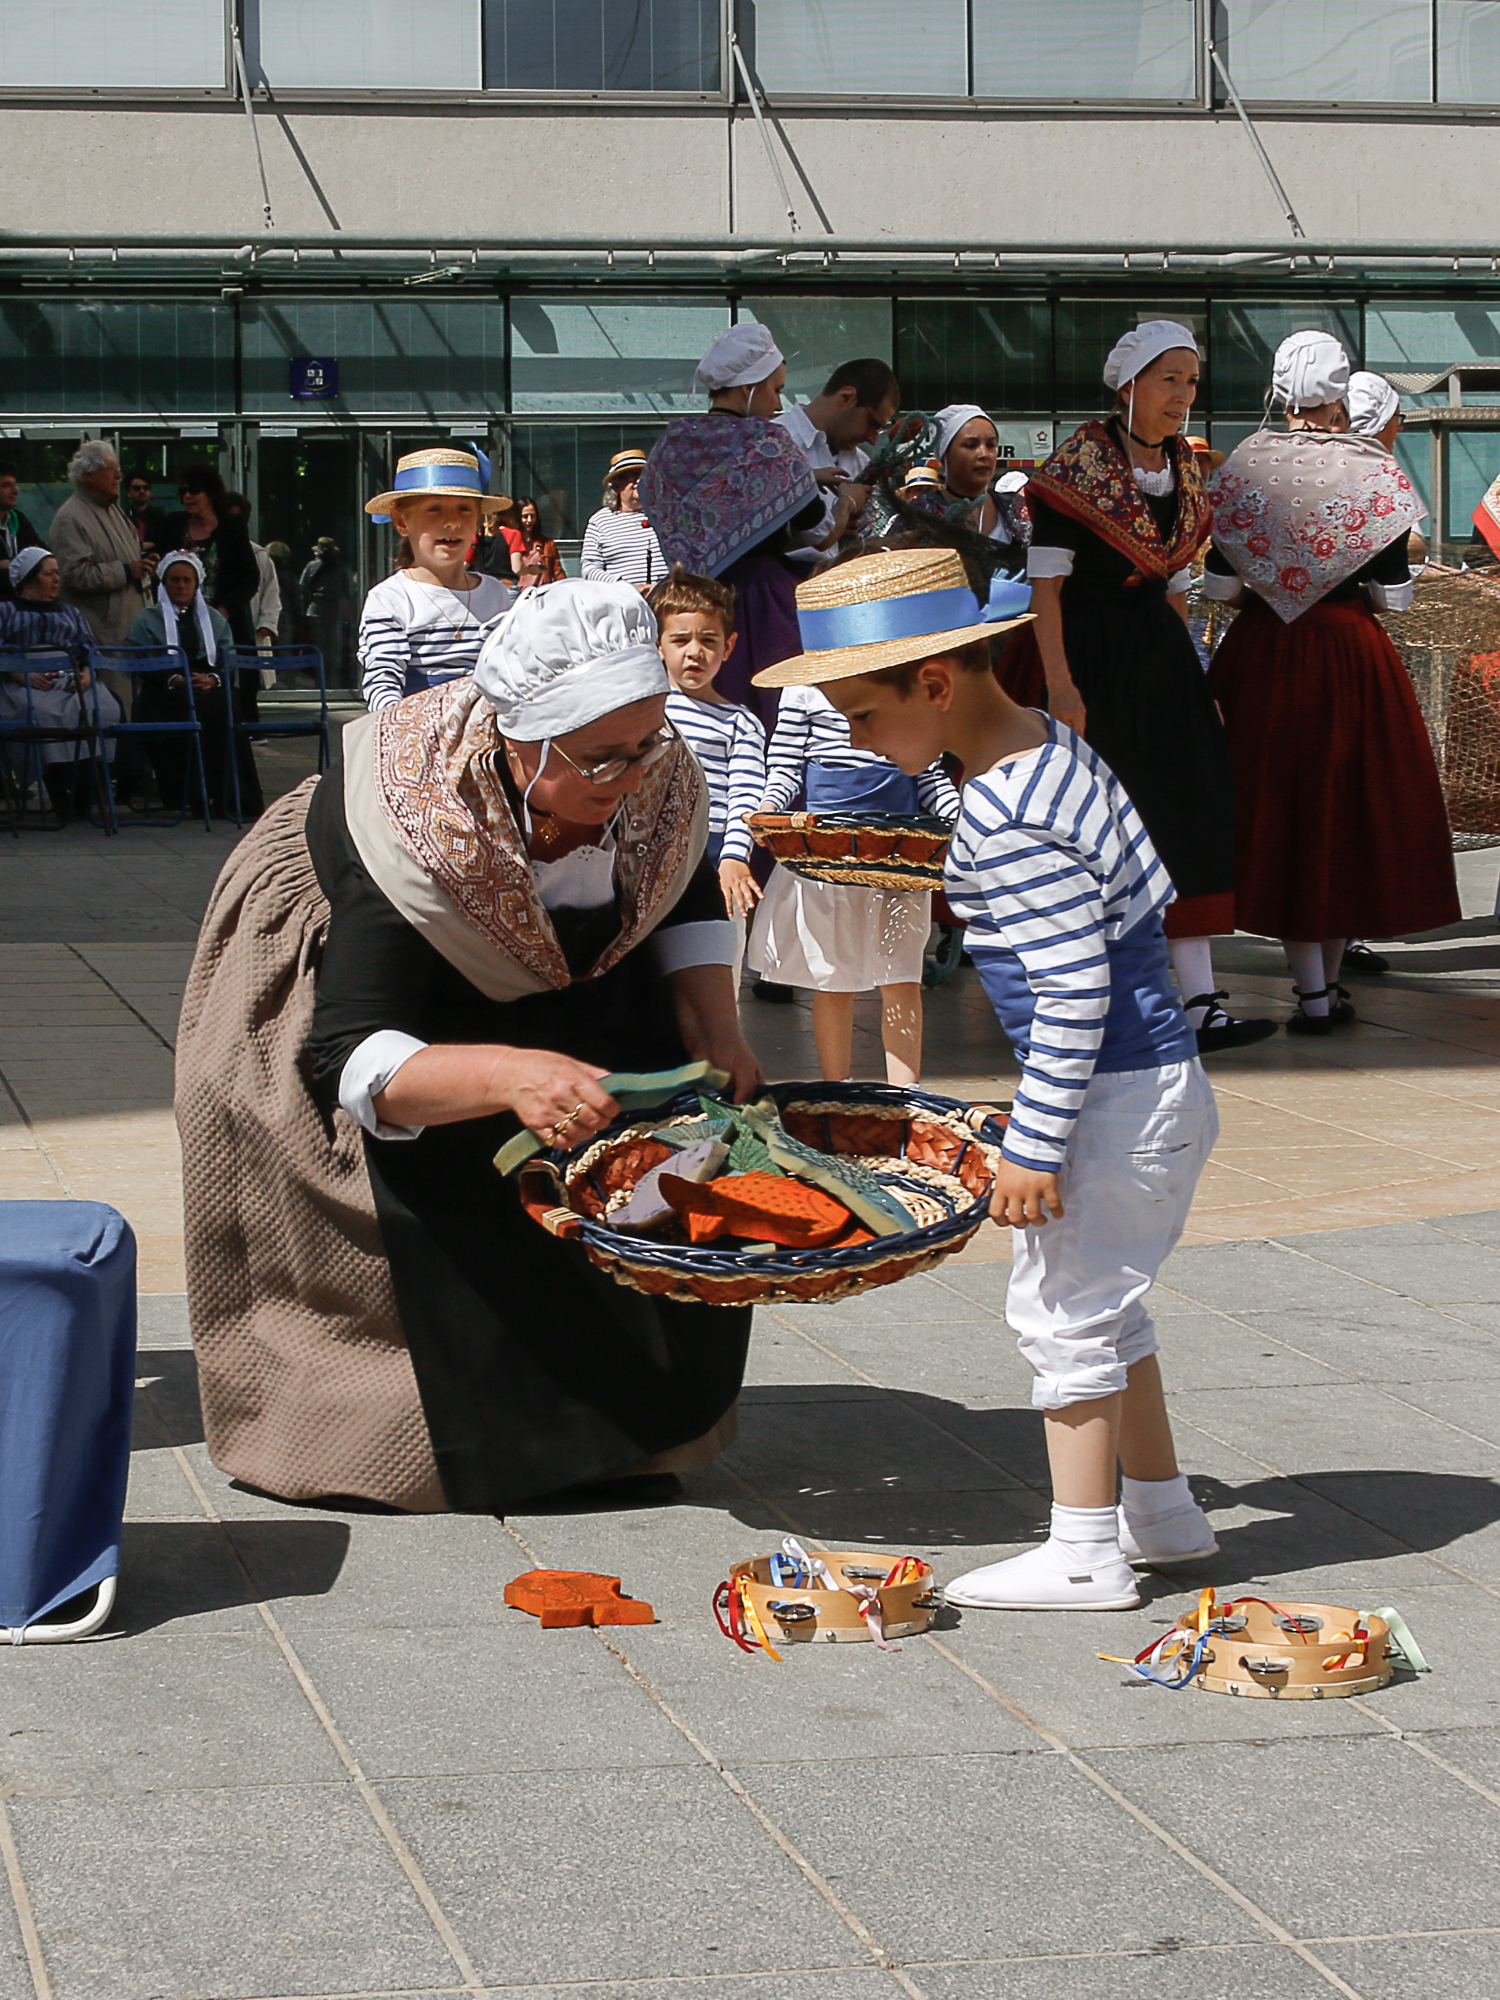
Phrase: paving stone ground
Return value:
(315, 1755)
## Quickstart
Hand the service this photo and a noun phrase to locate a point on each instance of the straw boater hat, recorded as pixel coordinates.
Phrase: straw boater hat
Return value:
(883, 610)
(633, 460)
(1201, 448)
(923, 475)
(443, 470)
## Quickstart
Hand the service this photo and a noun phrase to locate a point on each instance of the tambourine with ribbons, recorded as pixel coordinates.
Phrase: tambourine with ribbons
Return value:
(1287, 1652)
(794, 1596)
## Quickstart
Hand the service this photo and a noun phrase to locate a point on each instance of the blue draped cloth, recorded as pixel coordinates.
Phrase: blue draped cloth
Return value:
(67, 1382)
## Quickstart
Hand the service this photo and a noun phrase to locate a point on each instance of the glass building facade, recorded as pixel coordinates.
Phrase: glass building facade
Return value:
(551, 384)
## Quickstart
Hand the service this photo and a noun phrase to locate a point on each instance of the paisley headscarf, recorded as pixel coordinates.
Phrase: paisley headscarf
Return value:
(716, 485)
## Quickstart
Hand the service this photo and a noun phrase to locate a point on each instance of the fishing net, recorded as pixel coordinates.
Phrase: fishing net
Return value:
(1449, 642)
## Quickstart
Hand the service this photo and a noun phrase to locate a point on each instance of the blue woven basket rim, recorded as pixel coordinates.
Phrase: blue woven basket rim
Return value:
(701, 1262)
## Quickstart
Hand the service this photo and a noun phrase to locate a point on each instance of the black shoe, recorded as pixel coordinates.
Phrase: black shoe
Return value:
(1340, 1012)
(767, 989)
(1359, 958)
(1220, 1031)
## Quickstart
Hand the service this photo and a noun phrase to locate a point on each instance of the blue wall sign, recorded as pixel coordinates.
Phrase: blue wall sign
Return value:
(314, 381)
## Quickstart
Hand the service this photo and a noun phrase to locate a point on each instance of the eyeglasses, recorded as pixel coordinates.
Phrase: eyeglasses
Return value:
(614, 768)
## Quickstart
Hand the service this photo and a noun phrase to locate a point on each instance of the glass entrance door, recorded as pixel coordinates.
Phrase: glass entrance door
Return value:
(308, 494)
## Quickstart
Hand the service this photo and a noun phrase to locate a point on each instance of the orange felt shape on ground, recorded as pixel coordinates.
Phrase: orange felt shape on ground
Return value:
(560, 1597)
(768, 1208)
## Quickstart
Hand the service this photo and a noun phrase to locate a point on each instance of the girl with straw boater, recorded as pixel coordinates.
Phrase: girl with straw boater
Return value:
(1063, 893)
(425, 625)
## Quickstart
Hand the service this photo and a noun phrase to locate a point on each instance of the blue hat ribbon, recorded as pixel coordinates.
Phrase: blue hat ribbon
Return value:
(452, 472)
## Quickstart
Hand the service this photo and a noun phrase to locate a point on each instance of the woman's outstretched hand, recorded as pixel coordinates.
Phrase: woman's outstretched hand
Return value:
(555, 1096)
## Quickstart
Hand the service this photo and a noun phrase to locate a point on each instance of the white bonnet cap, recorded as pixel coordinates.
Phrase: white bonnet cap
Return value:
(568, 653)
(1310, 368)
(24, 562)
(194, 563)
(1137, 349)
(951, 420)
(1372, 402)
(744, 355)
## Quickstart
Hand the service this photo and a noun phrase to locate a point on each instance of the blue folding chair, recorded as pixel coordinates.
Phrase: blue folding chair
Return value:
(29, 732)
(285, 659)
(142, 662)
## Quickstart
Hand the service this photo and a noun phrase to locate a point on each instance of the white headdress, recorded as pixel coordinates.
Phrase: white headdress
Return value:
(169, 610)
(1143, 344)
(746, 354)
(567, 654)
(950, 422)
(1310, 368)
(1371, 402)
(24, 562)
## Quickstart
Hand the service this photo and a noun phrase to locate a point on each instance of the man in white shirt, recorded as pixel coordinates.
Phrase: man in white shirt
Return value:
(851, 410)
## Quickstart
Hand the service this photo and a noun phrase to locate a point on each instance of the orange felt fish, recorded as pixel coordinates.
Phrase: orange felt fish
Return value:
(766, 1208)
(560, 1597)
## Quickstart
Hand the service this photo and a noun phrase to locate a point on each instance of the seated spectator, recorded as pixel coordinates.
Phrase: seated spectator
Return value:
(182, 617)
(16, 532)
(60, 683)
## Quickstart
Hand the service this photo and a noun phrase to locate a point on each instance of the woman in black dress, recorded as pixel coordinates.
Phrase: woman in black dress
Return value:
(497, 898)
(1118, 514)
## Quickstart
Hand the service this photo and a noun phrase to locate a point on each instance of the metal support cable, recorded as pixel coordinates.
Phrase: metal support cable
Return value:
(244, 83)
(1254, 137)
(753, 93)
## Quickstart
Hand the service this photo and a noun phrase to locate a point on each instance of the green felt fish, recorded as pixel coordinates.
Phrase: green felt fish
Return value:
(632, 1090)
(845, 1179)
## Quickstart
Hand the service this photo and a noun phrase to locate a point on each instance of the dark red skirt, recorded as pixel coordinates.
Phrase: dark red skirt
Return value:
(1341, 829)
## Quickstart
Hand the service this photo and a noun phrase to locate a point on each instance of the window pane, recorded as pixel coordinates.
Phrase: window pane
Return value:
(562, 467)
(1327, 51)
(611, 354)
(601, 44)
(363, 44)
(1085, 48)
(121, 357)
(402, 357)
(1431, 337)
(848, 48)
(818, 335)
(994, 353)
(1088, 328)
(1468, 52)
(1246, 336)
(102, 45)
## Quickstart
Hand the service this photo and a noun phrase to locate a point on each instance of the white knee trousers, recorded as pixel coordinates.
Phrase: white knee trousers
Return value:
(1078, 1287)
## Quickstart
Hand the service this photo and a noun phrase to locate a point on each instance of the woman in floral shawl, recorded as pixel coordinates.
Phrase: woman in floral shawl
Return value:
(1118, 514)
(1343, 831)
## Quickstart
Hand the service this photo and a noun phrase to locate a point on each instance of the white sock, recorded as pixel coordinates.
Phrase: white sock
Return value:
(1084, 1538)
(1149, 1499)
(1333, 953)
(1193, 964)
(1306, 962)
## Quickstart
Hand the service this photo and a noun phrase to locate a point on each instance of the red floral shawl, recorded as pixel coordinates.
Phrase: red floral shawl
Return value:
(1089, 479)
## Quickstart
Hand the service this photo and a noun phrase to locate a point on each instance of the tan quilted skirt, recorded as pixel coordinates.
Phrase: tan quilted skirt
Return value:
(307, 1384)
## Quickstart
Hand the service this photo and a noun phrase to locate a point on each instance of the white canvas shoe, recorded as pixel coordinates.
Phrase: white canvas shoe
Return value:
(1036, 1582)
(1185, 1536)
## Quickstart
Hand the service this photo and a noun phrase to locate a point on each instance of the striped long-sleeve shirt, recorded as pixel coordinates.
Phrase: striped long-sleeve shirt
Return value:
(810, 730)
(416, 635)
(1053, 872)
(730, 745)
(622, 548)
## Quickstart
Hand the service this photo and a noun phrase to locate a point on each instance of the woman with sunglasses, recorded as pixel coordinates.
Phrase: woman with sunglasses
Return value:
(499, 897)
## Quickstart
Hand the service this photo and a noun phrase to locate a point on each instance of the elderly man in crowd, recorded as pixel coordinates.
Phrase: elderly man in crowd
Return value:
(99, 553)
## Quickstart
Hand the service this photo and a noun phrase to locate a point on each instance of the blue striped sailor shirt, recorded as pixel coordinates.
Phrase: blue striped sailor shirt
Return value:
(730, 744)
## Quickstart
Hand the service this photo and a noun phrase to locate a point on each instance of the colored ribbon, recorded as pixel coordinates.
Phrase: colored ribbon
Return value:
(829, 628)
(418, 478)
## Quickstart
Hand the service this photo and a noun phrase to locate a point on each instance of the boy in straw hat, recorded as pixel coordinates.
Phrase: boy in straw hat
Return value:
(1062, 892)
